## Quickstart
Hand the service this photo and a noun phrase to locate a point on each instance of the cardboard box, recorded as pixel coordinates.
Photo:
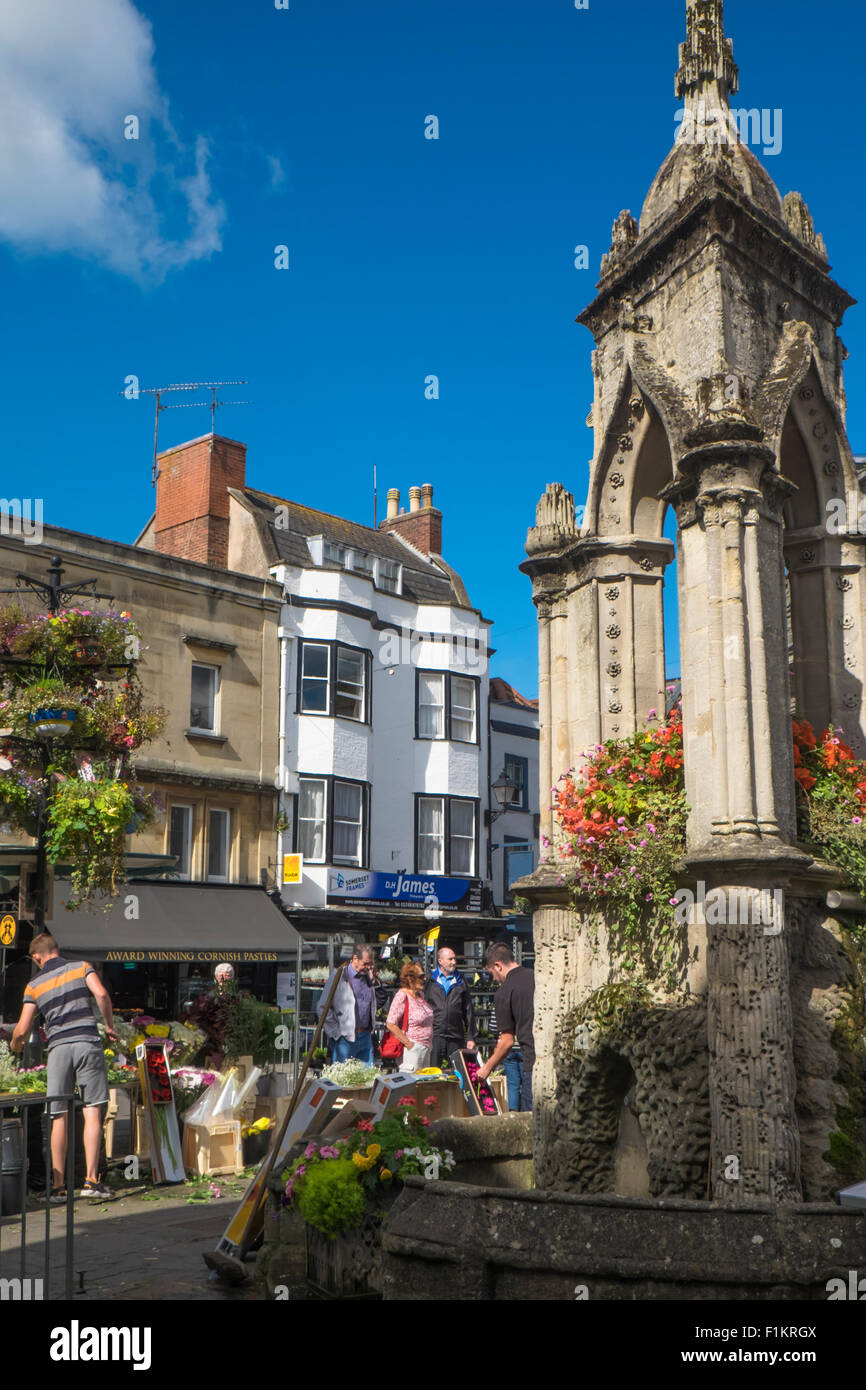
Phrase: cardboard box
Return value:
(213, 1148)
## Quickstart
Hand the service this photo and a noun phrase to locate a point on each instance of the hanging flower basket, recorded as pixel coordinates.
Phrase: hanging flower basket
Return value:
(52, 722)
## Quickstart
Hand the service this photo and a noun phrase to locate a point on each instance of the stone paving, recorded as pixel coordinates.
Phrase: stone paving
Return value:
(144, 1245)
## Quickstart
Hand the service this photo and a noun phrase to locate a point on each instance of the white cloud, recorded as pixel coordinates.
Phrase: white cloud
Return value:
(276, 171)
(69, 181)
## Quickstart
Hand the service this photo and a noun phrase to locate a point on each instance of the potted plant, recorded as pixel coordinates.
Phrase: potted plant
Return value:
(42, 707)
(344, 1189)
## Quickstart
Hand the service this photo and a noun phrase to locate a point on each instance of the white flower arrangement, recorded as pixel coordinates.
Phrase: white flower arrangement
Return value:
(352, 1072)
(315, 974)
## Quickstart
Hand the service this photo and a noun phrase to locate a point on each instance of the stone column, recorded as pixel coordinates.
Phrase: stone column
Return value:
(755, 1146)
(736, 701)
(740, 788)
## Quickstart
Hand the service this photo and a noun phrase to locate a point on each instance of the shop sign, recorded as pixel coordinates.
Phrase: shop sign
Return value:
(8, 929)
(293, 868)
(417, 891)
(157, 957)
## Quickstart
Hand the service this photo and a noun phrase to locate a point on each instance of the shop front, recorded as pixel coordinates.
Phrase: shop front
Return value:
(158, 944)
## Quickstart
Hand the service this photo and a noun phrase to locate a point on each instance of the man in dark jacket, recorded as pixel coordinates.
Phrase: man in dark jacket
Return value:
(453, 1014)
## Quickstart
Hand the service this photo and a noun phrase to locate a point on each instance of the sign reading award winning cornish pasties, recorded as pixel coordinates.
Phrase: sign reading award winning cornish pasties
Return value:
(417, 891)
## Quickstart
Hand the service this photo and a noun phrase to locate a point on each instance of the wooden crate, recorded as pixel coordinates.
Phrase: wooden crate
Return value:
(213, 1148)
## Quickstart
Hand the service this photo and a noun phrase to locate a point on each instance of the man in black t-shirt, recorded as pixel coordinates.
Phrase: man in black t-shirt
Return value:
(514, 1003)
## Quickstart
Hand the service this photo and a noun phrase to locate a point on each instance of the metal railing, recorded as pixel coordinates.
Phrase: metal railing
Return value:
(14, 1190)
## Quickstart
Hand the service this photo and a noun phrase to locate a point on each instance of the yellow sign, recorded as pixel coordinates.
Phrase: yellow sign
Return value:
(8, 930)
(293, 868)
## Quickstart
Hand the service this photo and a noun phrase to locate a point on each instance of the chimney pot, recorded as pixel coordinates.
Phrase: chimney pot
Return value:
(427, 495)
(393, 501)
(414, 499)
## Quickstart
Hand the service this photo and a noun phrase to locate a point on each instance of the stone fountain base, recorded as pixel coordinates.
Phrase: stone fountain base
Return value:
(450, 1240)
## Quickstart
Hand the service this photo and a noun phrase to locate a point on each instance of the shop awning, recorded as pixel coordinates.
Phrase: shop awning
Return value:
(176, 923)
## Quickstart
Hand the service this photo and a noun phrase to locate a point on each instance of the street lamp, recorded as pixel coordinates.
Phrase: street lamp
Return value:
(506, 792)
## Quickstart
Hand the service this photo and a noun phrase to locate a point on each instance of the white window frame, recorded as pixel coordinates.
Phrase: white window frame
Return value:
(471, 872)
(226, 843)
(188, 837)
(367, 566)
(308, 820)
(362, 829)
(397, 578)
(473, 686)
(200, 728)
(428, 868)
(358, 654)
(320, 680)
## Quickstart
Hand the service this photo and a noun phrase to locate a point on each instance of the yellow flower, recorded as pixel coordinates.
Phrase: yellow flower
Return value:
(359, 1161)
(374, 1150)
(385, 1175)
(157, 1030)
(108, 1052)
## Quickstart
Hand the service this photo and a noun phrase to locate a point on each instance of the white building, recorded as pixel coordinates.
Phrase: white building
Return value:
(383, 764)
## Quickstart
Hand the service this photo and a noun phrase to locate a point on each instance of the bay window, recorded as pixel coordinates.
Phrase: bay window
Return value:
(446, 836)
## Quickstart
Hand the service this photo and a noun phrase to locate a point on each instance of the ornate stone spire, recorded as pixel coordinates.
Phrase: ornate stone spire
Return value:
(707, 66)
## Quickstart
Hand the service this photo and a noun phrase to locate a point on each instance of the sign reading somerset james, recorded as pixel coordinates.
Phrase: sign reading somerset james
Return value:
(405, 890)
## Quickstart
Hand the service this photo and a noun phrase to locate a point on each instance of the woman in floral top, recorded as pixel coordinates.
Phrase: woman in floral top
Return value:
(417, 1040)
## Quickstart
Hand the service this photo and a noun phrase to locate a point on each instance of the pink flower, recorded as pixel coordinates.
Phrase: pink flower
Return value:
(310, 1150)
(424, 1120)
(649, 898)
(406, 1101)
(856, 820)
(652, 714)
(431, 1100)
(329, 1152)
(300, 1170)
(644, 842)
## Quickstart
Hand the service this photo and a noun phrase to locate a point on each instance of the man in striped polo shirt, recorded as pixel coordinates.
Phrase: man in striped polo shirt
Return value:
(63, 992)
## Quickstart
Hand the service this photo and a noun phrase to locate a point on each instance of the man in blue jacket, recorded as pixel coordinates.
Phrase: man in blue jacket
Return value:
(448, 995)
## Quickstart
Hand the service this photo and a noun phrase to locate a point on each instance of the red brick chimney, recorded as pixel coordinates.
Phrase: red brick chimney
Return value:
(192, 502)
(421, 526)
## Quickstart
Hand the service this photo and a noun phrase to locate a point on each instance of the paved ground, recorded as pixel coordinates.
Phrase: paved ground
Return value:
(145, 1245)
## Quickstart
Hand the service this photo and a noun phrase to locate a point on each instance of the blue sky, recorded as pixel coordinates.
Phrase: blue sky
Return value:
(408, 256)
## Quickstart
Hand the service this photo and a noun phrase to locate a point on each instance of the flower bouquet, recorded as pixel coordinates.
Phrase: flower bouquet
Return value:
(477, 1094)
(335, 1185)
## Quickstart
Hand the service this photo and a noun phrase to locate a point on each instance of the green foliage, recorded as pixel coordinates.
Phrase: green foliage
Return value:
(62, 661)
(87, 826)
(624, 833)
(250, 1030)
(361, 1169)
(330, 1197)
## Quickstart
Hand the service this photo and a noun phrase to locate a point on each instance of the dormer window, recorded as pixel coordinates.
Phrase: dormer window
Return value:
(333, 554)
(362, 562)
(389, 576)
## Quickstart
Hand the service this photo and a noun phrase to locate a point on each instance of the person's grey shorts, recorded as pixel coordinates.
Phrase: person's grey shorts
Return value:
(83, 1062)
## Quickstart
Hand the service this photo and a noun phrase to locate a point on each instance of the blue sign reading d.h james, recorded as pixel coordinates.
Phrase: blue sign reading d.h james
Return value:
(404, 890)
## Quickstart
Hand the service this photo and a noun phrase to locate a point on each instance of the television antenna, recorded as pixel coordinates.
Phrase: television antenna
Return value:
(158, 391)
